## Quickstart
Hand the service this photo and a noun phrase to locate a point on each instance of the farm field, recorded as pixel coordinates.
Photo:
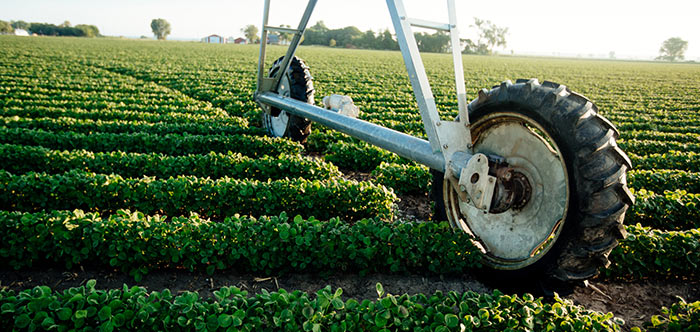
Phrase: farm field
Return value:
(144, 163)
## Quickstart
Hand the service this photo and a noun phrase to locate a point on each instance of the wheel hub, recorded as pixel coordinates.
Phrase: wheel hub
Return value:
(512, 190)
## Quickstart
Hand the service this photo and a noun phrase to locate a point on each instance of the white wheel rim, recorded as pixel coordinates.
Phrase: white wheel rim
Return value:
(514, 239)
(277, 125)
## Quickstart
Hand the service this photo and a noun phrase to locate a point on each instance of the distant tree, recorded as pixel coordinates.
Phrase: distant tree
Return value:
(611, 55)
(5, 27)
(332, 43)
(251, 33)
(20, 25)
(317, 34)
(46, 29)
(88, 30)
(490, 37)
(65, 24)
(387, 41)
(346, 37)
(284, 36)
(673, 49)
(368, 40)
(437, 42)
(161, 28)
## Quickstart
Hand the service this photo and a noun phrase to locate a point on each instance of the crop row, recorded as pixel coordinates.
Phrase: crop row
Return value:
(360, 156)
(171, 144)
(642, 147)
(668, 126)
(404, 178)
(189, 194)
(136, 243)
(672, 210)
(217, 116)
(681, 137)
(93, 105)
(232, 309)
(678, 160)
(660, 180)
(101, 97)
(652, 253)
(22, 159)
(239, 126)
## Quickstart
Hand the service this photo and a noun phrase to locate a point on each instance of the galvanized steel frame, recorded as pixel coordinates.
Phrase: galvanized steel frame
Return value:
(444, 137)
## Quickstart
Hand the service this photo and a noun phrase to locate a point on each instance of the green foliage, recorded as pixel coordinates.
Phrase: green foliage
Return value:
(643, 147)
(251, 33)
(20, 25)
(6, 27)
(490, 37)
(407, 179)
(361, 157)
(652, 253)
(660, 180)
(136, 243)
(46, 29)
(672, 210)
(22, 159)
(437, 42)
(88, 30)
(165, 116)
(160, 28)
(231, 127)
(189, 194)
(673, 49)
(681, 316)
(134, 308)
(679, 160)
(171, 144)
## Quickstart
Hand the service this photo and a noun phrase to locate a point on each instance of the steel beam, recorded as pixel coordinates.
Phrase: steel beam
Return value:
(404, 145)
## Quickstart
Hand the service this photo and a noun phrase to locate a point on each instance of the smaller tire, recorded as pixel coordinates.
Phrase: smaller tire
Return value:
(296, 83)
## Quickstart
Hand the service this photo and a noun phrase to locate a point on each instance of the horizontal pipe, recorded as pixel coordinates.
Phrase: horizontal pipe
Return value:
(428, 24)
(404, 145)
(281, 29)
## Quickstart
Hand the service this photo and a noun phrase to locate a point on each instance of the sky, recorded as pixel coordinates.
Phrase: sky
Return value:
(633, 29)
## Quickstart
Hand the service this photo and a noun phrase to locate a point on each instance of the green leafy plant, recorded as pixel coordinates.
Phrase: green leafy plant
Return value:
(184, 195)
(234, 309)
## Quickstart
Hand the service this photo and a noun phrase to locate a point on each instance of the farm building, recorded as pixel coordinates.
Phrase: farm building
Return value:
(273, 39)
(213, 39)
(21, 32)
(240, 40)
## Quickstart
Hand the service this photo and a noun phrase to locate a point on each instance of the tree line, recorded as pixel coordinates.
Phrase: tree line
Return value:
(47, 29)
(490, 37)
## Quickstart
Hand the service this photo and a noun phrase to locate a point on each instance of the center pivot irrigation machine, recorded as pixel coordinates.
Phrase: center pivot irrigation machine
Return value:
(530, 169)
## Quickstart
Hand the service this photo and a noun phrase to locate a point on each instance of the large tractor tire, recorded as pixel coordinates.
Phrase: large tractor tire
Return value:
(584, 180)
(296, 83)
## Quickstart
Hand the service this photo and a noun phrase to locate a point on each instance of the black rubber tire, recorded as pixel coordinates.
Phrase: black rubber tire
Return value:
(301, 88)
(597, 169)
